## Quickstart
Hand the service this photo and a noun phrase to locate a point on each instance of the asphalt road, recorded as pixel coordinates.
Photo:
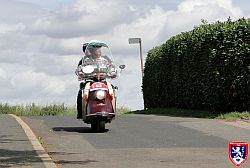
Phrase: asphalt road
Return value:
(15, 148)
(139, 141)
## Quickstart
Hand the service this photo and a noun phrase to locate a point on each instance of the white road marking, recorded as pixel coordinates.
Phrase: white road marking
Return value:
(47, 161)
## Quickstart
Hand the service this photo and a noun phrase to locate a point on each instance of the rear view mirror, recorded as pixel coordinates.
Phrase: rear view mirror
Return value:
(122, 66)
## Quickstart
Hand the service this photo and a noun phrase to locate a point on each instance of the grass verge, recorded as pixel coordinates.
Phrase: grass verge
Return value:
(174, 112)
(62, 110)
(122, 110)
(45, 110)
(233, 116)
(37, 110)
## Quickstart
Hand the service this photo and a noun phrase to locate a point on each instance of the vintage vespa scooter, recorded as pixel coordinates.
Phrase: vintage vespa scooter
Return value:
(98, 95)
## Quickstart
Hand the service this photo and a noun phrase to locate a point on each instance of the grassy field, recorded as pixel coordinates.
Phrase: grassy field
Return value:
(233, 116)
(37, 110)
(45, 110)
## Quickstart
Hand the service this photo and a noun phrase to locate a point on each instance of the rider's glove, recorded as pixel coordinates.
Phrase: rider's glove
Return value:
(79, 73)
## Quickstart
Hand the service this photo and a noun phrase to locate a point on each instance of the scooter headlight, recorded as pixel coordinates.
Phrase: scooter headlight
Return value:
(100, 94)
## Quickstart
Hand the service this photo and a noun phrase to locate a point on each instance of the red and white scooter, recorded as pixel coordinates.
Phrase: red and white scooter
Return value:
(98, 95)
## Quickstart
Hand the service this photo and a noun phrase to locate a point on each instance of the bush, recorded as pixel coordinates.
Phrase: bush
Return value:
(206, 68)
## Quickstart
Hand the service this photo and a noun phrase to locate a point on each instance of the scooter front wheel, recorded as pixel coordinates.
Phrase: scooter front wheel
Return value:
(98, 126)
(101, 125)
(93, 125)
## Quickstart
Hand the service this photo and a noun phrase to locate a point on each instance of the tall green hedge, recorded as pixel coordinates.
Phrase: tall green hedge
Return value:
(206, 68)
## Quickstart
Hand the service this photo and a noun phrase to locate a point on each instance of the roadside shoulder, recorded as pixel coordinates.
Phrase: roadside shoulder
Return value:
(47, 161)
(239, 123)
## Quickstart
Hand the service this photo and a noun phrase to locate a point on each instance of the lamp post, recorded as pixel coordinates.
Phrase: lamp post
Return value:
(136, 41)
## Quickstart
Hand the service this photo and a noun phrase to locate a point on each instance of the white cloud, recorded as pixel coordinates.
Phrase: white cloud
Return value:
(55, 65)
(7, 28)
(14, 11)
(146, 27)
(3, 76)
(83, 18)
(190, 12)
(215, 7)
(63, 46)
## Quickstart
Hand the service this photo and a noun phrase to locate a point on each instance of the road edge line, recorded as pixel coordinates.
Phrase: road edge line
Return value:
(47, 161)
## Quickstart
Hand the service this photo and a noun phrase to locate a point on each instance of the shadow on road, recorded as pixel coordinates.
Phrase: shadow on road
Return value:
(81, 162)
(10, 158)
(8, 139)
(70, 162)
(77, 129)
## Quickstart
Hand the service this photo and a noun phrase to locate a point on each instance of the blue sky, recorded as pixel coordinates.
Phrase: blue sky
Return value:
(40, 41)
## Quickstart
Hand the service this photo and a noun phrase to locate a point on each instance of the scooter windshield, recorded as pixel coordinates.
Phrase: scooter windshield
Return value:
(97, 51)
(98, 55)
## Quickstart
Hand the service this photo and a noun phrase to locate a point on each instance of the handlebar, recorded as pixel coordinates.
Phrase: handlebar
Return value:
(100, 72)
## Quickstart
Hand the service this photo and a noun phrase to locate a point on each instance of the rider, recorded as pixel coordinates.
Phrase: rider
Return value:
(92, 54)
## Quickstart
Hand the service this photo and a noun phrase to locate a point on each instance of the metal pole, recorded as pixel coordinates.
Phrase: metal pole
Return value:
(140, 41)
(136, 41)
(141, 57)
